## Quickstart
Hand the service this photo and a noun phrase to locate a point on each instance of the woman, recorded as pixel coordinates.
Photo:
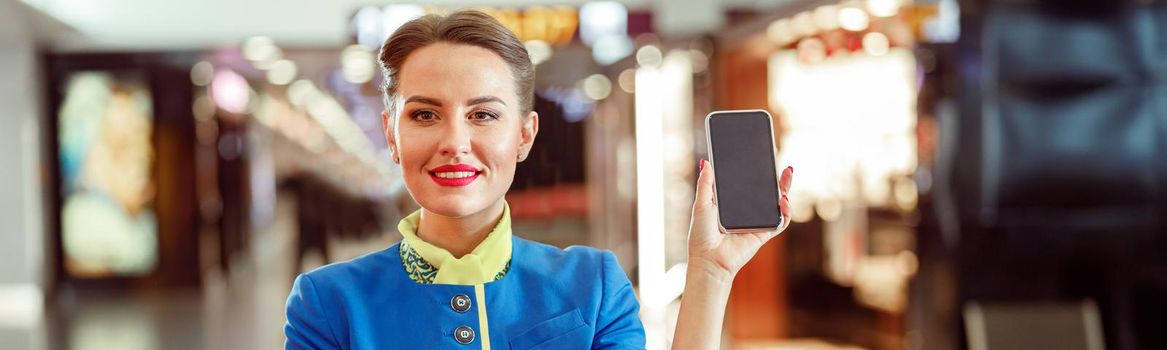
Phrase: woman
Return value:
(458, 119)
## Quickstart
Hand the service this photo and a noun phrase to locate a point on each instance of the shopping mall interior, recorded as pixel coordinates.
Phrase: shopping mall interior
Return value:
(976, 174)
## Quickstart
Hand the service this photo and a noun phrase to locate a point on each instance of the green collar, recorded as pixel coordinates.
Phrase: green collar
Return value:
(426, 263)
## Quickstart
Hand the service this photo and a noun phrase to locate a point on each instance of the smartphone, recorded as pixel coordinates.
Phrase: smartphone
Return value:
(741, 149)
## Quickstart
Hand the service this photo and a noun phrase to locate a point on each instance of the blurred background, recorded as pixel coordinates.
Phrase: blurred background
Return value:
(981, 174)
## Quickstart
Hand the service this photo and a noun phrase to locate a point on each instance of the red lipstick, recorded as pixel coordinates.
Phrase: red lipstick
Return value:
(454, 175)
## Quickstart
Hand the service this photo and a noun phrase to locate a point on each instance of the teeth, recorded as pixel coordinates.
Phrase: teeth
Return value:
(455, 174)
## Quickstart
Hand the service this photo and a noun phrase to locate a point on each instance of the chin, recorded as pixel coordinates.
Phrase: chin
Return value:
(455, 206)
(455, 202)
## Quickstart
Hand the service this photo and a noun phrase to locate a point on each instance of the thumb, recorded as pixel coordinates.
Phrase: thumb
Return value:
(705, 198)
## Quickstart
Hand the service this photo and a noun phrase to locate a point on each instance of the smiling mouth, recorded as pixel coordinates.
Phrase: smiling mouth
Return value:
(454, 174)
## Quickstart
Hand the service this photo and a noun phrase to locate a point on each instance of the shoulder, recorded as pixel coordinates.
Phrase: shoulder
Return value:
(355, 272)
(570, 263)
(552, 256)
(324, 303)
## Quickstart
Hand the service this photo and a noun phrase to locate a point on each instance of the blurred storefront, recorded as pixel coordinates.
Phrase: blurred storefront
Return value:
(233, 142)
(841, 80)
(183, 189)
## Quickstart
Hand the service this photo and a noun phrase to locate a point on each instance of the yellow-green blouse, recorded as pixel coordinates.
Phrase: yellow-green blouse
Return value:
(426, 263)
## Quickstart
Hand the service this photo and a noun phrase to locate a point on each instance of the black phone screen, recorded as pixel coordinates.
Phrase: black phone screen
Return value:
(742, 153)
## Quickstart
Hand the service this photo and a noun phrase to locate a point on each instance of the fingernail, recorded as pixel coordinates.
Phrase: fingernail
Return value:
(701, 165)
(791, 169)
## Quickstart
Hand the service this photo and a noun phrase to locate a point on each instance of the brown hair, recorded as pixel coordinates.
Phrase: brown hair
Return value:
(467, 27)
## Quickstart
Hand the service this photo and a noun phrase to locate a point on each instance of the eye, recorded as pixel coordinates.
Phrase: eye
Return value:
(483, 116)
(424, 116)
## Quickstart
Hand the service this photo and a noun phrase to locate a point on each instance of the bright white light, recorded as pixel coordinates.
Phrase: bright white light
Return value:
(650, 193)
(601, 19)
(357, 64)
(875, 43)
(663, 105)
(883, 8)
(780, 32)
(367, 24)
(201, 73)
(906, 193)
(21, 306)
(649, 56)
(800, 211)
(854, 151)
(261, 51)
(395, 15)
(597, 87)
(230, 91)
(627, 80)
(281, 72)
(257, 48)
(853, 19)
(300, 92)
(674, 282)
(829, 209)
(945, 27)
(826, 17)
(611, 48)
(538, 50)
(803, 24)
(874, 189)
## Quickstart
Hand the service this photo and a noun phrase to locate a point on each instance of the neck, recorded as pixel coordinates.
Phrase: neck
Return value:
(458, 235)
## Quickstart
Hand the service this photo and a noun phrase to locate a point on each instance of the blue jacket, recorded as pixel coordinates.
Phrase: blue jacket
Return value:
(551, 298)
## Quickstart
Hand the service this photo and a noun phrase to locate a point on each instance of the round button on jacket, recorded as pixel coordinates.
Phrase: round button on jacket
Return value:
(460, 303)
(464, 335)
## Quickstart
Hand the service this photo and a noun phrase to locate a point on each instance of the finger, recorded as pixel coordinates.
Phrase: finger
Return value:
(784, 207)
(705, 181)
(786, 179)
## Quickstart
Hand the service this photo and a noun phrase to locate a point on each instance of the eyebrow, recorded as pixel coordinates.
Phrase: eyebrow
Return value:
(484, 99)
(435, 102)
(425, 100)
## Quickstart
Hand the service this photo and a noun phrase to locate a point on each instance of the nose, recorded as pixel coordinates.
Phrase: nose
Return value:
(455, 140)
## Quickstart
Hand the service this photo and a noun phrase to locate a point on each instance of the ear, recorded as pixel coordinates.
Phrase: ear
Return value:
(527, 134)
(390, 136)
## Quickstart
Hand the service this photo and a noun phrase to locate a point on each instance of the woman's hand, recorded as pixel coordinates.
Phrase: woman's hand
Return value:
(717, 253)
(714, 259)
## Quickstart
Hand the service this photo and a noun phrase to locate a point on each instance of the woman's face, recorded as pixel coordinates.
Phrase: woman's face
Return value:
(458, 132)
